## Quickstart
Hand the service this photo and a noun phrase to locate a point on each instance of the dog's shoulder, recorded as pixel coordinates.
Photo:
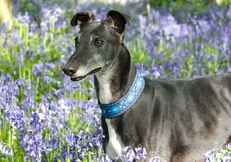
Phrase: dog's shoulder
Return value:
(195, 80)
(173, 86)
(161, 86)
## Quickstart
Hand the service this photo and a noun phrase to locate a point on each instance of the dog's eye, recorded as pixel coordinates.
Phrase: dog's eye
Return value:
(98, 42)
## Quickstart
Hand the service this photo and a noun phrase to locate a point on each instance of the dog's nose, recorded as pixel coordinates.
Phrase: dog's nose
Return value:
(69, 70)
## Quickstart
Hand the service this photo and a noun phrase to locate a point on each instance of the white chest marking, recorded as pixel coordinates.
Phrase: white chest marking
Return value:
(105, 95)
(115, 146)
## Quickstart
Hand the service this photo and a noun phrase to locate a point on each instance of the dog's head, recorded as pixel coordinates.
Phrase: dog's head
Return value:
(97, 44)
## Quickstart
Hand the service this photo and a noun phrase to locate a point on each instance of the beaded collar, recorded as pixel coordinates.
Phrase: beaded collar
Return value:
(117, 108)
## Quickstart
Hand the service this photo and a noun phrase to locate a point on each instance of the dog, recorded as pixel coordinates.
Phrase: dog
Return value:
(178, 120)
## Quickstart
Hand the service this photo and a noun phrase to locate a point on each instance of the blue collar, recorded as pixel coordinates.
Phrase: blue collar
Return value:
(117, 108)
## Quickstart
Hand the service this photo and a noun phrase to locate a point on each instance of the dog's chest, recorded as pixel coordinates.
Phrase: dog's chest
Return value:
(105, 95)
(114, 146)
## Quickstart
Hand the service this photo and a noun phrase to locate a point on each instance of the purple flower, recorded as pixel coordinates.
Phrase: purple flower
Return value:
(142, 21)
(25, 19)
(38, 69)
(140, 153)
(17, 117)
(64, 154)
(157, 159)
(131, 154)
(5, 149)
(140, 67)
(155, 73)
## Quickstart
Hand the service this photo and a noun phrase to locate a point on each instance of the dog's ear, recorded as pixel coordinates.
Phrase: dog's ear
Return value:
(117, 20)
(81, 18)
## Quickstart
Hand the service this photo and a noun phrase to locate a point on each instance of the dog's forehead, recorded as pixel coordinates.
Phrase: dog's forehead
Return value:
(93, 28)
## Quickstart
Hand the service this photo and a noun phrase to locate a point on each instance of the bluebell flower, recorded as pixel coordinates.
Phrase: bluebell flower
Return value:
(25, 19)
(5, 149)
(142, 21)
(64, 154)
(70, 138)
(54, 143)
(141, 68)
(157, 159)
(140, 153)
(38, 69)
(155, 73)
(44, 157)
(17, 117)
(131, 154)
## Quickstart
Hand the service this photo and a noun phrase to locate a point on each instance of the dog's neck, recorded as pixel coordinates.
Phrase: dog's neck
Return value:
(115, 83)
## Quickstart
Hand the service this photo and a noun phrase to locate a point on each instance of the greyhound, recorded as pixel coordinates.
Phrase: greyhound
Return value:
(178, 120)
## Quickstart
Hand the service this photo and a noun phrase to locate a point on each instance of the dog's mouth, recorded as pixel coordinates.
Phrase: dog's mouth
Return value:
(83, 77)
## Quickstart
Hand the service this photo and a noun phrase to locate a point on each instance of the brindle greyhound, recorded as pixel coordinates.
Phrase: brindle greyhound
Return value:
(178, 120)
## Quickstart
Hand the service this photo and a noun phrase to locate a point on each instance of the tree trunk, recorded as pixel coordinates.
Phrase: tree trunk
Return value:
(219, 1)
(6, 12)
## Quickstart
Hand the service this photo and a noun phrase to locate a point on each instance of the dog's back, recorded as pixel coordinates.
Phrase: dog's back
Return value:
(188, 117)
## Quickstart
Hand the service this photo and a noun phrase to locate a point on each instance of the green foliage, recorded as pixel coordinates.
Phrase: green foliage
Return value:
(138, 54)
